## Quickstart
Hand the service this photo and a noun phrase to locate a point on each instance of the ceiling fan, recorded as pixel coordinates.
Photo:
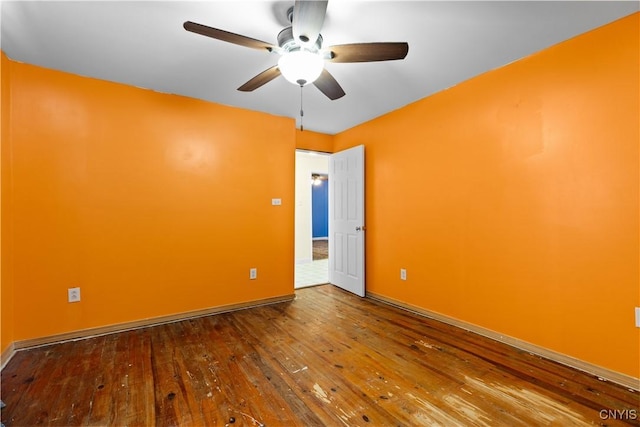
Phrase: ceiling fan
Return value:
(302, 55)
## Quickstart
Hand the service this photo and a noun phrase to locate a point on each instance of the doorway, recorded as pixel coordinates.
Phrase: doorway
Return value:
(311, 218)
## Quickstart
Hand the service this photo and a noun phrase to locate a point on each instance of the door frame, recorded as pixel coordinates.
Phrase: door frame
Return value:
(303, 251)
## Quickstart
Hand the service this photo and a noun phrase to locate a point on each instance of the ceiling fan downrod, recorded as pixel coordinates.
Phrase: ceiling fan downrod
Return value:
(301, 110)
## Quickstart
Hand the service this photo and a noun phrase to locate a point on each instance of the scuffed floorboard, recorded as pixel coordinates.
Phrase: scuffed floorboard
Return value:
(326, 358)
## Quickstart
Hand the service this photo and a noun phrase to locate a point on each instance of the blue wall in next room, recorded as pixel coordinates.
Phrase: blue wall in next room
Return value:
(320, 209)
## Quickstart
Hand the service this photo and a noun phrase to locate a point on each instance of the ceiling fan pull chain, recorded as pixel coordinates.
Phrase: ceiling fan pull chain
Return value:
(301, 111)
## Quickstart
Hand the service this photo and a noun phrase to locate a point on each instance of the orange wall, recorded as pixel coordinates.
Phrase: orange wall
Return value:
(314, 141)
(153, 204)
(6, 282)
(512, 199)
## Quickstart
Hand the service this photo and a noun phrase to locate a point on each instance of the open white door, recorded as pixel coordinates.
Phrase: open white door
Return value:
(346, 220)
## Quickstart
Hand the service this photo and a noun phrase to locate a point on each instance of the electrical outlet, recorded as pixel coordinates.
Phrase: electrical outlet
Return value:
(403, 274)
(253, 273)
(73, 294)
(637, 317)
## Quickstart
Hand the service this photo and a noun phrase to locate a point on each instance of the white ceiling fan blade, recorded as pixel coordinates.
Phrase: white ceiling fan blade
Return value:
(308, 17)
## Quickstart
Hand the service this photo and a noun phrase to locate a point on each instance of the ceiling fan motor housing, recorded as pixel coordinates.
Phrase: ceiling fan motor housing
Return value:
(288, 43)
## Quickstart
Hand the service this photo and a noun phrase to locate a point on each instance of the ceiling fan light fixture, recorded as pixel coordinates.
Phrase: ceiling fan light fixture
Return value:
(301, 67)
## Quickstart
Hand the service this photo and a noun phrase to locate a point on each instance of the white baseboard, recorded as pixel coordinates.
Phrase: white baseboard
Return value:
(600, 372)
(128, 326)
(6, 355)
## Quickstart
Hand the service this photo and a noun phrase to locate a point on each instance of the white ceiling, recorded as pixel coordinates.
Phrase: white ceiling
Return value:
(143, 44)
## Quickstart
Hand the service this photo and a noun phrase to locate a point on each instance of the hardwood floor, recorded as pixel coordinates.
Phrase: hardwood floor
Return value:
(326, 358)
(320, 249)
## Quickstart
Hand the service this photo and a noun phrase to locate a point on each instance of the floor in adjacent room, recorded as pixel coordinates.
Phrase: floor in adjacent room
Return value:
(312, 273)
(315, 272)
(326, 358)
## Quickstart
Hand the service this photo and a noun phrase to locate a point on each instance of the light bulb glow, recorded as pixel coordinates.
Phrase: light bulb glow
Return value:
(301, 67)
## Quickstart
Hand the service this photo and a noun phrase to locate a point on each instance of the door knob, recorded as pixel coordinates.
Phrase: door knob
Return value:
(362, 228)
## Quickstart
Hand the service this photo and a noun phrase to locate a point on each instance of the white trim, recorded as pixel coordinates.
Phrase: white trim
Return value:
(137, 324)
(6, 355)
(602, 373)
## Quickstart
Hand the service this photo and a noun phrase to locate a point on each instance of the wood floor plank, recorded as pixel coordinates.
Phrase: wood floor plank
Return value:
(100, 386)
(532, 368)
(325, 358)
(19, 380)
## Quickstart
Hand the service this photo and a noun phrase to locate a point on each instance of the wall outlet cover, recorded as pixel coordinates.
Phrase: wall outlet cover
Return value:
(73, 294)
(637, 317)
